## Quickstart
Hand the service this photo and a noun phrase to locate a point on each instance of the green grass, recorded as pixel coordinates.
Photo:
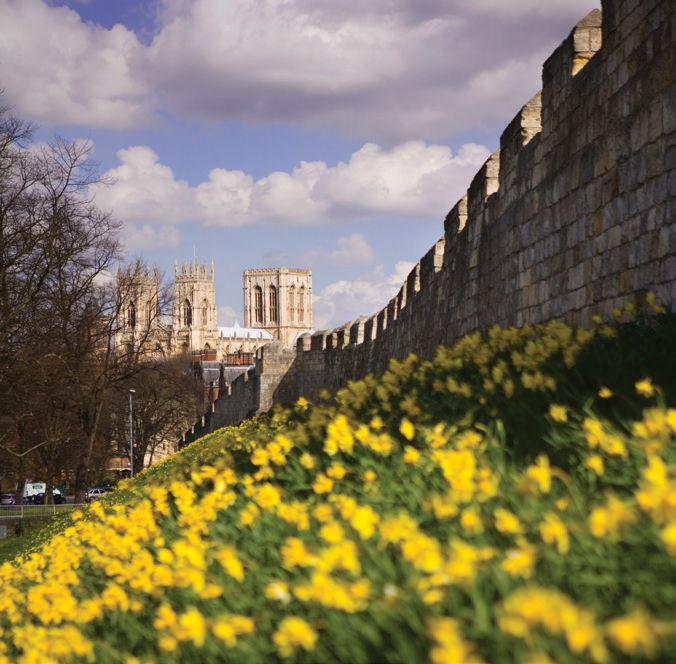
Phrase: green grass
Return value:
(15, 544)
(35, 532)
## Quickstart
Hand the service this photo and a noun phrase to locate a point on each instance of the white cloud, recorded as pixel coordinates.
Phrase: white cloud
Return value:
(227, 195)
(57, 69)
(146, 191)
(343, 301)
(147, 236)
(393, 71)
(289, 197)
(353, 250)
(411, 179)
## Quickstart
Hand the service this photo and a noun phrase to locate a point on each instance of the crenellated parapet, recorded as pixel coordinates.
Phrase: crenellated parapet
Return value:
(527, 124)
(572, 217)
(559, 98)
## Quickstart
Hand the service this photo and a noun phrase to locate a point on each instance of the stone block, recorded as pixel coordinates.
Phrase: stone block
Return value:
(601, 243)
(596, 268)
(671, 184)
(654, 157)
(663, 243)
(615, 260)
(593, 198)
(668, 270)
(370, 328)
(645, 275)
(614, 236)
(304, 342)
(571, 302)
(610, 287)
(626, 281)
(525, 278)
(669, 109)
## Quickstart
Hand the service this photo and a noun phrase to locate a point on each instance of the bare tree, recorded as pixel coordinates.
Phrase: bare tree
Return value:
(166, 400)
(107, 365)
(61, 311)
(56, 246)
(48, 221)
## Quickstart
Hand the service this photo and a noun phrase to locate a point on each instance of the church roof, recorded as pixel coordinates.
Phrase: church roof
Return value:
(237, 332)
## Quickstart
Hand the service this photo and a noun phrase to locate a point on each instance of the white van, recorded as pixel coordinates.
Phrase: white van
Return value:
(32, 489)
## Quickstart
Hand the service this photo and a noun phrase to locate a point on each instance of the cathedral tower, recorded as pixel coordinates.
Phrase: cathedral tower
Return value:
(279, 300)
(139, 320)
(194, 316)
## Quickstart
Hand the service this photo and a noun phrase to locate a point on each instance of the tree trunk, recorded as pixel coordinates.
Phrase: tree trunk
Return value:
(80, 484)
(21, 483)
(82, 474)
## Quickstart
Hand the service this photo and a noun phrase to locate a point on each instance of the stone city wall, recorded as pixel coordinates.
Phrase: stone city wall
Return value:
(255, 391)
(572, 216)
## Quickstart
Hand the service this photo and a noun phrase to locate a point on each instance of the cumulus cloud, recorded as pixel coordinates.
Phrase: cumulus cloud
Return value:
(344, 301)
(393, 71)
(144, 190)
(411, 179)
(146, 236)
(56, 69)
(352, 251)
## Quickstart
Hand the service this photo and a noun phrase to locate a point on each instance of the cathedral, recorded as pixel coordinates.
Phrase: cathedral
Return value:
(277, 306)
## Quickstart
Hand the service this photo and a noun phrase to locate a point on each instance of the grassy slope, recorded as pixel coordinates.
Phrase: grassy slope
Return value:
(449, 533)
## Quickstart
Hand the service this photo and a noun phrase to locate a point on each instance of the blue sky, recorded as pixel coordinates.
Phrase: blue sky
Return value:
(316, 134)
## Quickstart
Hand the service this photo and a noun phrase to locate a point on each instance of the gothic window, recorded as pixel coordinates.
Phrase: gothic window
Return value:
(258, 304)
(273, 304)
(205, 313)
(301, 304)
(187, 314)
(131, 316)
(292, 303)
(149, 312)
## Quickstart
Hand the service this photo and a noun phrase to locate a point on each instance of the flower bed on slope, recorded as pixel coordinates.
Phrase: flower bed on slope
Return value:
(512, 501)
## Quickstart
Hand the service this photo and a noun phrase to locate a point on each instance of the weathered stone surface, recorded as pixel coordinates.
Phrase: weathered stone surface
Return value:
(574, 215)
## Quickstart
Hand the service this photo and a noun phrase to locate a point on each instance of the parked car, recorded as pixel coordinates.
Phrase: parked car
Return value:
(7, 499)
(59, 498)
(97, 492)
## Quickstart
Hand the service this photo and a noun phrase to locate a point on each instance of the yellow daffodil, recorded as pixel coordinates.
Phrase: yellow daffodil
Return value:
(407, 429)
(411, 455)
(645, 388)
(594, 463)
(558, 413)
(294, 633)
(506, 522)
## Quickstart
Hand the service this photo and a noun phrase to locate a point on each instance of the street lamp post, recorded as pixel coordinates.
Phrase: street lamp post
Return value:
(131, 437)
